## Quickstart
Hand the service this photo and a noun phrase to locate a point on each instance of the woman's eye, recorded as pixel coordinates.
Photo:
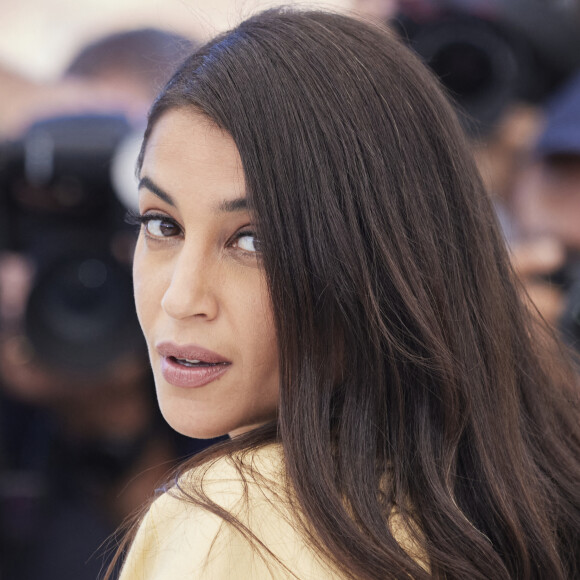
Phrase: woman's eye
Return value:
(160, 227)
(248, 242)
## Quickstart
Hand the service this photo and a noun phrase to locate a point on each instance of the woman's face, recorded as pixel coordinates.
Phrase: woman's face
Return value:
(200, 288)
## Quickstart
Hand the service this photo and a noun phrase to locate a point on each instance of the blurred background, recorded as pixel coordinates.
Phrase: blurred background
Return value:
(40, 36)
(82, 443)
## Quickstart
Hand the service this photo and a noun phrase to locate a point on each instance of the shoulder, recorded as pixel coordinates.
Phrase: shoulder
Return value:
(189, 530)
(258, 468)
(240, 483)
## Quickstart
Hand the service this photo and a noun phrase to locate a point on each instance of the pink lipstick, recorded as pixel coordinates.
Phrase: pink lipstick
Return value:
(190, 366)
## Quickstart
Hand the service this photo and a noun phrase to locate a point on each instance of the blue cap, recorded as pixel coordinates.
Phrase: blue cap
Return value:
(561, 133)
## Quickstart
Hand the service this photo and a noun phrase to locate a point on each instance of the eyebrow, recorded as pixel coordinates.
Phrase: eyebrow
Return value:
(146, 183)
(226, 206)
(232, 205)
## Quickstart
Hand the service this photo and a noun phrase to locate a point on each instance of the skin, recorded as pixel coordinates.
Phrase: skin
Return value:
(199, 279)
(546, 203)
(547, 200)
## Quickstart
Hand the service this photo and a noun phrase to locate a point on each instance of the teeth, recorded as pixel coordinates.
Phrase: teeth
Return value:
(189, 362)
(186, 362)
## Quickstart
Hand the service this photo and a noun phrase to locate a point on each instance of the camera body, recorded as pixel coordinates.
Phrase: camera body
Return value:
(60, 209)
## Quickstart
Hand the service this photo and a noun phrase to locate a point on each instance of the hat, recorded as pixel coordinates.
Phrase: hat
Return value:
(561, 133)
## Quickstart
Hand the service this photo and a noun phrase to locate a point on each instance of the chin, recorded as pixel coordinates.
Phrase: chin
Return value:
(189, 427)
(198, 432)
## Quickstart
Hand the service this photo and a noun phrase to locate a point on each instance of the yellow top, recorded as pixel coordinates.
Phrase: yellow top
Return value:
(178, 540)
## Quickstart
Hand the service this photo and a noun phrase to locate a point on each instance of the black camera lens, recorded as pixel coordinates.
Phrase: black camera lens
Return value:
(80, 314)
(478, 66)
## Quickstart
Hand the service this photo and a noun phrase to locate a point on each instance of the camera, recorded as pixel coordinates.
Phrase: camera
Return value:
(59, 207)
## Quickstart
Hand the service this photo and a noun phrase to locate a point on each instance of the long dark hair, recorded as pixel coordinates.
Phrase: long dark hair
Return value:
(412, 378)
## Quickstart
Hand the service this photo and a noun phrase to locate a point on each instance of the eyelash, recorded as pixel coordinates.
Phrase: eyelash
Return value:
(140, 220)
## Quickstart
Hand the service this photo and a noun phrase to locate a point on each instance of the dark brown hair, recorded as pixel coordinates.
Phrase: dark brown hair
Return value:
(411, 375)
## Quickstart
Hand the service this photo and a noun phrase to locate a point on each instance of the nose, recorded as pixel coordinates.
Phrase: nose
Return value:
(191, 291)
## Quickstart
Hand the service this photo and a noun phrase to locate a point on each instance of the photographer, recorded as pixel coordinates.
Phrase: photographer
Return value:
(546, 209)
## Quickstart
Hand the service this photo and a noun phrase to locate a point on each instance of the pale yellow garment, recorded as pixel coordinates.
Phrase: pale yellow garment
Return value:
(178, 540)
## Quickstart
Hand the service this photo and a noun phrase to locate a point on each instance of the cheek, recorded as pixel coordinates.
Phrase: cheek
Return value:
(259, 315)
(256, 328)
(265, 343)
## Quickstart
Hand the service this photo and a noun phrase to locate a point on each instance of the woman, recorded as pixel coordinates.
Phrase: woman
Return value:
(320, 275)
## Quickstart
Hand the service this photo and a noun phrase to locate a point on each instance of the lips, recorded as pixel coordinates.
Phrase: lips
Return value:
(190, 366)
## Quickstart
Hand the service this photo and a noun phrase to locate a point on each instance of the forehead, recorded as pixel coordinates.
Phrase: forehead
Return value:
(186, 147)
